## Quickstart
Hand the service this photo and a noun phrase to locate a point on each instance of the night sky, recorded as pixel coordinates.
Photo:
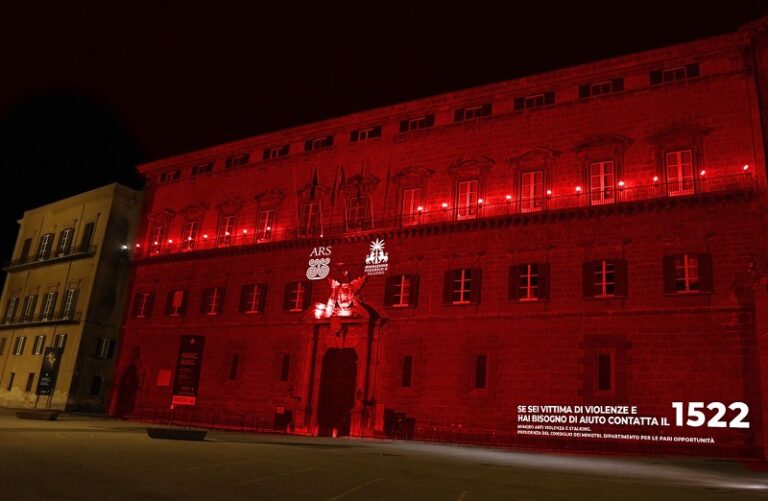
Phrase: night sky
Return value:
(87, 91)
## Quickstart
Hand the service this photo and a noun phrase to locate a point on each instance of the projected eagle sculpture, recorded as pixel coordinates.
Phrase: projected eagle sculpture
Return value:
(344, 298)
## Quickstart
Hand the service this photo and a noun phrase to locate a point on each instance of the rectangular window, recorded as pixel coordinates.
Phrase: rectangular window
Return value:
(601, 180)
(411, 208)
(466, 203)
(29, 307)
(276, 152)
(10, 381)
(534, 100)
(156, 238)
(30, 382)
(401, 291)
(105, 348)
(675, 74)
(679, 168)
(3, 340)
(423, 122)
(309, 223)
(65, 241)
(177, 303)
(687, 273)
(44, 249)
(49, 304)
(605, 372)
(297, 296)
(142, 304)
(532, 191)
(213, 301)
(87, 237)
(605, 278)
(285, 368)
(189, 235)
(96, 383)
(234, 365)
(252, 298)
(169, 176)
(60, 341)
(318, 143)
(37, 348)
(481, 371)
(462, 286)
(601, 88)
(365, 134)
(264, 225)
(25, 248)
(225, 230)
(205, 168)
(237, 160)
(18, 345)
(528, 283)
(472, 112)
(10, 309)
(357, 214)
(70, 304)
(407, 372)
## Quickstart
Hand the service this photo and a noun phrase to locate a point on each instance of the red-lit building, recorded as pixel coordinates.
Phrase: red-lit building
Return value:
(572, 260)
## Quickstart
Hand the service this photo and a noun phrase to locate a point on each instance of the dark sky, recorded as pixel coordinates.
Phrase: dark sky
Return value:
(87, 91)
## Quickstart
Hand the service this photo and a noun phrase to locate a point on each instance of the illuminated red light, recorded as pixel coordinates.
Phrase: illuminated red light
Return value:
(746, 166)
(509, 198)
(156, 242)
(702, 172)
(480, 201)
(621, 184)
(444, 205)
(655, 179)
(226, 233)
(205, 236)
(138, 245)
(549, 193)
(245, 232)
(578, 189)
(170, 241)
(269, 228)
(420, 208)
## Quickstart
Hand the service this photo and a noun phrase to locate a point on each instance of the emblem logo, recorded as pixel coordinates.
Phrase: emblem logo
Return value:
(376, 262)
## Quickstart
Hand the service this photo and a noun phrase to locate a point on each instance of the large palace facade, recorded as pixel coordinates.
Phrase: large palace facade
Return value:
(572, 260)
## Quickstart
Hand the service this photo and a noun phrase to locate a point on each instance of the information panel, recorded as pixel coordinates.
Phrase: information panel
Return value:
(187, 378)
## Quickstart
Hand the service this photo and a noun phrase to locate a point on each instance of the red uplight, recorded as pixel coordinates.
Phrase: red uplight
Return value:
(578, 189)
(702, 172)
(480, 201)
(509, 198)
(655, 179)
(621, 184)
(420, 208)
(245, 232)
(444, 205)
(746, 166)
(205, 235)
(170, 241)
(549, 193)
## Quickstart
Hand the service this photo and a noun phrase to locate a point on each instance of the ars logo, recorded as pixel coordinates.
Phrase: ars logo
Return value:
(319, 266)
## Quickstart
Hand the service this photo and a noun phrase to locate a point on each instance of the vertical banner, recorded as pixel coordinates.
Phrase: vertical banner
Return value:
(49, 370)
(187, 376)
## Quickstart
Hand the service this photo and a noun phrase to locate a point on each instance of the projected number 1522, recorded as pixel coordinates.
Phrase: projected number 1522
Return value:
(711, 414)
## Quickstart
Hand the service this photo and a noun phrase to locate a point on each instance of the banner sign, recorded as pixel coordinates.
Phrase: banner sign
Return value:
(319, 266)
(377, 261)
(49, 370)
(187, 378)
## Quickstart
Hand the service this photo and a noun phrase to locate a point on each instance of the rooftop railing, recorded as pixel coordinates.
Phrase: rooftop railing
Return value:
(58, 317)
(74, 252)
(542, 203)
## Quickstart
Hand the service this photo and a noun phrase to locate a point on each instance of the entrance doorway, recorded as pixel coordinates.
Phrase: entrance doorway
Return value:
(337, 392)
(129, 383)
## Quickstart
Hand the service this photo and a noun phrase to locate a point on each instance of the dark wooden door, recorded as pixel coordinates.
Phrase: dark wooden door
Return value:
(337, 392)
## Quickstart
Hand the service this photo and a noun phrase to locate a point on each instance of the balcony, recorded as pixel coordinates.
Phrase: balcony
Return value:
(738, 184)
(78, 252)
(58, 317)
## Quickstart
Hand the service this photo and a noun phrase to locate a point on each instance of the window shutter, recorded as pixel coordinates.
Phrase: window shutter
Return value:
(169, 302)
(150, 303)
(487, 110)
(403, 125)
(621, 277)
(655, 77)
(476, 284)
(429, 121)
(266, 154)
(448, 286)
(549, 97)
(692, 70)
(110, 348)
(354, 136)
(414, 299)
(583, 91)
(668, 265)
(222, 298)
(262, 296)
(287, 296)
(706, 273)
(389, 290)
(458, 115)
(519, 103)
(588, 286)
(136, 304)
(544, 280)
(204, 300)
(308, 145)
(244, 292)
(617, 84)
(328, 141)
(85, 240)
(514, 278)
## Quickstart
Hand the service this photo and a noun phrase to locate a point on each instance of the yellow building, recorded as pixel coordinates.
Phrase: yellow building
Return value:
(65, 289)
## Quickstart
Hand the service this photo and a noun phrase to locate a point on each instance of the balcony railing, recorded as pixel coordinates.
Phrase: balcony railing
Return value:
(58, 317)
(620, 195)
(36, 260)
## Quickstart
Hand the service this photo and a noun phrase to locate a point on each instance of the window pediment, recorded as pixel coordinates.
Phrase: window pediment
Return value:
(416, 174)
(269, 198)
(676, 132)
(229, 206)
(359, 183)
(475, 167)
(610, 142)
(534, 158)
(194, 211)
(161, 217)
